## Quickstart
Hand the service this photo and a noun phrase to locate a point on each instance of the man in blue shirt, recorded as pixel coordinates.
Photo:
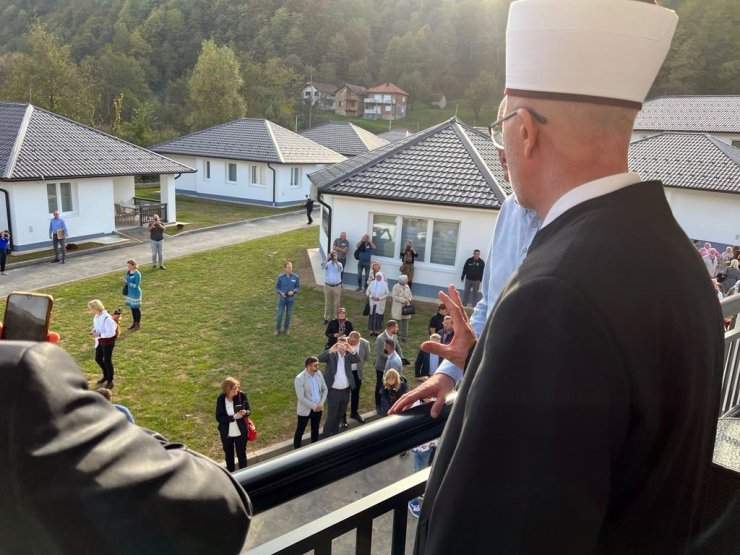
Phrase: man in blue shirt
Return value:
(58, 234)
(332, 286)
(286, 287)
(515, 229)
(365, 249)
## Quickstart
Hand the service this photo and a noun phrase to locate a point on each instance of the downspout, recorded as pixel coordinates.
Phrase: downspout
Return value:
(7, 210)
(274, 182)
(328, 238)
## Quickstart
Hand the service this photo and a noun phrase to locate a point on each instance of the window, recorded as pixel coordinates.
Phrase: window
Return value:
(295, 177)
(232, 173)
(59, 197)
(207, 170)
(444, 243)
(415, 230)
(384, 235)
(435, 241)
(256, 172)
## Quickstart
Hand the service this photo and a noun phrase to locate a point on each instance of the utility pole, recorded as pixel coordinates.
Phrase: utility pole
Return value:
(310, 103)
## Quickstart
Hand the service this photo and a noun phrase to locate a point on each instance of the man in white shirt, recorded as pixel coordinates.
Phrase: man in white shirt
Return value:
(339, 381)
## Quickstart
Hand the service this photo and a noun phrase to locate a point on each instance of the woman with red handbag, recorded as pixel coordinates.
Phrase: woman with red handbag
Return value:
(232, 409)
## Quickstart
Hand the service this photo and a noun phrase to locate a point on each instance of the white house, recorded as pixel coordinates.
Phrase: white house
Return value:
(319, 95)
(48, 163)
(440, 188)
(248, 160)
(344, 137)
(701, 175)
(717, 115)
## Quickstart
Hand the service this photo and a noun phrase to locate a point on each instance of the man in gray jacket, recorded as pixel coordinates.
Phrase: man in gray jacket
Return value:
(310, 388)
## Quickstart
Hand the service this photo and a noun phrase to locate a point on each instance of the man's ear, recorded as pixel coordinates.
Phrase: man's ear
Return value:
(528, 132)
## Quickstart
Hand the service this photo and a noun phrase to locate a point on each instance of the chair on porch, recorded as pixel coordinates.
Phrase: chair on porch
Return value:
(125, 214)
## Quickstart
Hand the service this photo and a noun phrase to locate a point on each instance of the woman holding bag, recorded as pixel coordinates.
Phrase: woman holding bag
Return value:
(377, 292)
(132, 293)
(232, 409)
(402, 296)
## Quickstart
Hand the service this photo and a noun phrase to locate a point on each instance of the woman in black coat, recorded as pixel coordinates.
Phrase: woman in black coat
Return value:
(232, 409)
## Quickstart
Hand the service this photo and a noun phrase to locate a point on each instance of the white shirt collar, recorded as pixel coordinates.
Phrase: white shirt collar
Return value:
(591, 190)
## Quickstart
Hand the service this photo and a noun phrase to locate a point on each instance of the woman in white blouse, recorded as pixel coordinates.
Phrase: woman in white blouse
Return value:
(377, 293)
(104, 332)
(232, 409)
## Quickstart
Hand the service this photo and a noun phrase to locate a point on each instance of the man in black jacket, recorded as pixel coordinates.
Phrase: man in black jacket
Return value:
(339, 382)
(472, 275)
(586, 418)
(77, 477)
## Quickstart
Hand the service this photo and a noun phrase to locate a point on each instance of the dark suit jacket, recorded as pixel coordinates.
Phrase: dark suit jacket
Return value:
(586, 418)
(331, 359)
(224, 419)
(78, 478)
(333, 327)
(421, 366)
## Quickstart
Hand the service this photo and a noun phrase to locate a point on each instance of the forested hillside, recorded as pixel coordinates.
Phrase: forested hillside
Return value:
(150, 69)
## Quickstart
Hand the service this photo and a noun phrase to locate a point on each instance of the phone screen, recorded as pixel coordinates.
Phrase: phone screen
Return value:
(27, 317)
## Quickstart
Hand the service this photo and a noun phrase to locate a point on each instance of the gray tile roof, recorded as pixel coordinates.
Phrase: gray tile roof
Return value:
(450, 164)
(344, 137)
(687, 160)
(36, 144)
(395, 135)
(251, 139)
(703, 114)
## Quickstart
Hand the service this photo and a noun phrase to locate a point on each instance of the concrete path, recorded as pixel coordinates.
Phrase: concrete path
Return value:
(41, 274)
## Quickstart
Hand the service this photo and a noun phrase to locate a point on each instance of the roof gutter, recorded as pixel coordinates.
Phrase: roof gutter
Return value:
(274, 182)
(328, 235)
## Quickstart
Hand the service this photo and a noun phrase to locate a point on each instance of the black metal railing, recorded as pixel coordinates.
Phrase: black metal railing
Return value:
(294, 474)
(146, 208)
(731, 372)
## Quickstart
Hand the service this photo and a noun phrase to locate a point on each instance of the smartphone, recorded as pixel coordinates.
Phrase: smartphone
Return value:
(237, 408)
(27, 316)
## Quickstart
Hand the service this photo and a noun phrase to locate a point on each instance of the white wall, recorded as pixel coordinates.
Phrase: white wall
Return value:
(706, 215)
(94, 212)
(124, 189)
(243, 188)
(353, 215)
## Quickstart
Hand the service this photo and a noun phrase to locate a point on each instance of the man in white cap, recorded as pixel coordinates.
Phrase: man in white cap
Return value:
(586, 417)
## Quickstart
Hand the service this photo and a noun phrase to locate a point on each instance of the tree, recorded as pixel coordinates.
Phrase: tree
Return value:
(272, 89)
(215, 87)
(480, 91)
(49, 78)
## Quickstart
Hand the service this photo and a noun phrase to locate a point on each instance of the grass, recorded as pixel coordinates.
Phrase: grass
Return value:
(423, 116)
(208, 316)
(198, 212)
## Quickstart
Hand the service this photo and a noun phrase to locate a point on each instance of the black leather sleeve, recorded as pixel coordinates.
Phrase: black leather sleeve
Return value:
(78, 478)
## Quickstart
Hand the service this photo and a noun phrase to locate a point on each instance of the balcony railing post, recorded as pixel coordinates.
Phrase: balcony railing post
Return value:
(364, 537)
(400, 520)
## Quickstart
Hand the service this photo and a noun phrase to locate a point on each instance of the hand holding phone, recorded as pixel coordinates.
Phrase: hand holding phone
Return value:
(27, 317)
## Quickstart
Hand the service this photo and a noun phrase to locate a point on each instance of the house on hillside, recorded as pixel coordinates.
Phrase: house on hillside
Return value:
(48, 163)
(701, 175)
(248, 160)
(438, 100)
(386, 101)
(319, 95)
(717, 115)
(349, 100)
(440, 188)
(344, 137)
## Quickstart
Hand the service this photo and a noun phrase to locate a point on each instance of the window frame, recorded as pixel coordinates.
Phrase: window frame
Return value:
(228, 172)
(399, 239)
(295, 172)
(206, 170)
(59, 197)
(260, 175)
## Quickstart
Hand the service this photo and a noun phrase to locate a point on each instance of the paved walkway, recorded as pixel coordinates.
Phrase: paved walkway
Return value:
(42, 274)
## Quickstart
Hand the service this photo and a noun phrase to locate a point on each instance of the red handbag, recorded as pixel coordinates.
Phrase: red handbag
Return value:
(251, 430)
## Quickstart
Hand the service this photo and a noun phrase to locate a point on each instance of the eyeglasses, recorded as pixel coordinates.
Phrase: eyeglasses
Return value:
(496, 129)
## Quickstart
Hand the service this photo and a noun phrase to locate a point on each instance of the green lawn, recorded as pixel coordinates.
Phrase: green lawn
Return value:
(198, 212)
(423, 116)
(208, 316)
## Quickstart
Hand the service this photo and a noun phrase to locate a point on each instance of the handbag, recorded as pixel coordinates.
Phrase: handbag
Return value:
(408, 310)
(251, 430)
(357, 253)
(366, 310)
(125, 290)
